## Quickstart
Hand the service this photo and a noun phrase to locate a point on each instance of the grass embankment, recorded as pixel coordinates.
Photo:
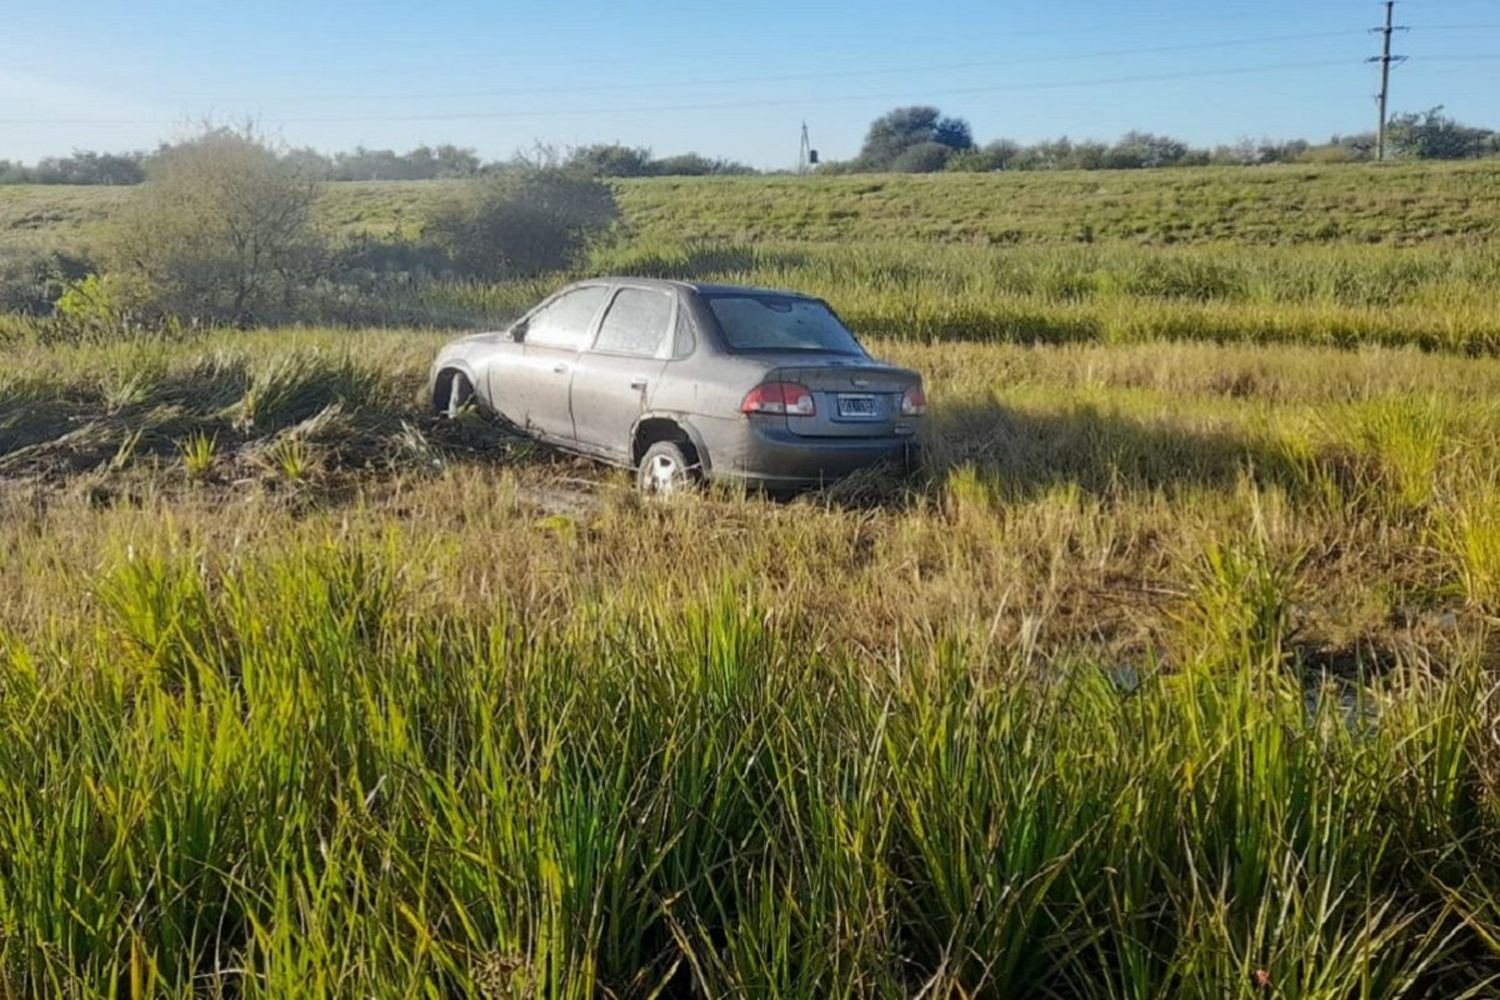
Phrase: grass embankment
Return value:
(1173, 676)
(1277, 255)
(1405, 204)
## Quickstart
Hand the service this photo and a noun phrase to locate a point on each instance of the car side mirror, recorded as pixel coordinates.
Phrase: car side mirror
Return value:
(518, 330)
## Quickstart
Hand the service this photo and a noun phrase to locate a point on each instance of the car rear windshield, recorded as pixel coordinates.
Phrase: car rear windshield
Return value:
(780, 323)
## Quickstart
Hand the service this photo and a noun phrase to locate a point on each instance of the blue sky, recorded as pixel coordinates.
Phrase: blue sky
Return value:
(724, 79)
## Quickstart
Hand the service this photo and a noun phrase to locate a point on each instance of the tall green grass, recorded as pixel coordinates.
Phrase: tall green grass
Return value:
(1172, 675)
(274, 773)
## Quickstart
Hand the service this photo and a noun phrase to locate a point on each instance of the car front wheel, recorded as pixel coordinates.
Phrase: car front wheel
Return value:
(665, 470)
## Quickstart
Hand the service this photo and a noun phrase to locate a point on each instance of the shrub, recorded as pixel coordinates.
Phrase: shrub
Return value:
(222, 229)
(522, 224)
(31, 280)
(106, 302)
(923, 158)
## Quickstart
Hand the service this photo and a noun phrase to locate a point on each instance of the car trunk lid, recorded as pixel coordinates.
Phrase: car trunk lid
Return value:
(854, 399)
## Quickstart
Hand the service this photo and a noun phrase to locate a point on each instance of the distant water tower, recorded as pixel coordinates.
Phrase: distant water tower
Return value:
(807, 157)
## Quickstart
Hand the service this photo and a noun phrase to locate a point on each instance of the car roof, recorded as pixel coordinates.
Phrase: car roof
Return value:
(702, 288)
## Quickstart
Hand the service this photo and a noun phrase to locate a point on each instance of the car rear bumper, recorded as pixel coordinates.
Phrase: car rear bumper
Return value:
(771, 456)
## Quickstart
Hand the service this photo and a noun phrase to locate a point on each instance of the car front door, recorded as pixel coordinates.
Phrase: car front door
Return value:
(532, 391)
(615, 378)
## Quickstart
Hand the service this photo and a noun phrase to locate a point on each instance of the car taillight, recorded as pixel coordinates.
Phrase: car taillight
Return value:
(780, 397)
(913, 401)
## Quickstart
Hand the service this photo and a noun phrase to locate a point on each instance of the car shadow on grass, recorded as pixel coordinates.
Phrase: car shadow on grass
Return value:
(1017, 454)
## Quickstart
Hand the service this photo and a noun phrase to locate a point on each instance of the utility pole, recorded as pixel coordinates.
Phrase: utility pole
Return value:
(807, 157)
(1385, 59)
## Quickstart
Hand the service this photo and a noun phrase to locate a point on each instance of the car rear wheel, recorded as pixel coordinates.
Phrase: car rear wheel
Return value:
(665, 470)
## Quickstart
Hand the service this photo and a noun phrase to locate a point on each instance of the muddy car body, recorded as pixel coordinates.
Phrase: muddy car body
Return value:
(682, 381)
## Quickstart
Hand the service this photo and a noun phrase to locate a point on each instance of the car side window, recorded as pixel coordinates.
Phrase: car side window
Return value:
(637, 323)
(566, 320)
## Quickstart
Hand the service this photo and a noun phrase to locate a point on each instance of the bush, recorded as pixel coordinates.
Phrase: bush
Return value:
(32, 280)
(923, 158)
(522, 224)
(105, 303)
(222, 229)
(1332, 153)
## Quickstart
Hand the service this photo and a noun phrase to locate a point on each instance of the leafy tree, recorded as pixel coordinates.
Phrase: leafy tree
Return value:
(82, 167)
(420, 164)
(695, 165)
(953, 133)
(522, 223)
(611, 160)
(1138, 150)
(923, 158)
(1432, 135)
(897, 131)
(998, 155)
(1087, 154)
(222, 229)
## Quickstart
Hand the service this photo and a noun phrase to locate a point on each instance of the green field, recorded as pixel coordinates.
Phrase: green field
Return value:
(1173, 673)
(1322, 255)
(1401, 205)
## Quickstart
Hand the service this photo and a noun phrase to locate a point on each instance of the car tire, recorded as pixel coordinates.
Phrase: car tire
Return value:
(666, 470)
(460, 397)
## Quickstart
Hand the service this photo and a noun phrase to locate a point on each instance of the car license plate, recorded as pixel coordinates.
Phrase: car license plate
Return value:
(862, 405)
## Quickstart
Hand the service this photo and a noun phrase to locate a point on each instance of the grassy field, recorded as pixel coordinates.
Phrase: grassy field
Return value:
(1339, 256)
(1398, 204)
(1173, 673)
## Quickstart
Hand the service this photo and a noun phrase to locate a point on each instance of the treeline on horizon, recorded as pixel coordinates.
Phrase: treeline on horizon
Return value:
(915, 139)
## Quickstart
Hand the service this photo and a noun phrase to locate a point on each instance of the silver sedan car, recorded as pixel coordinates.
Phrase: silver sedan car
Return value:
(682, 381)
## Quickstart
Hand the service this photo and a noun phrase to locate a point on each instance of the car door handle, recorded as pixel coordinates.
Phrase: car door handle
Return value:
(639, 383)
(560, 369)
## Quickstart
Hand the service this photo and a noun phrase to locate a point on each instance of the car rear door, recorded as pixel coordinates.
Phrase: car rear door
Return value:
(616, 377)
(533, 390)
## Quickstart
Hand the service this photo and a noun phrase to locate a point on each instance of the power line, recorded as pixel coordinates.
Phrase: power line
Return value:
(730, 105)
(825, 75)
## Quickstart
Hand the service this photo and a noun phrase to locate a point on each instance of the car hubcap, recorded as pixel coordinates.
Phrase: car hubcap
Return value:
(662, 474)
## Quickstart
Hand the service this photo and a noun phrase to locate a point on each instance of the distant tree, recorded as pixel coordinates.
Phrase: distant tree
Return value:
(953, 133)
(611, 160)
(971, 161)
(1000, 154)
(1432, 135)
(420, 164)
(897, 131)
(1087, 154)
(521, 223)
(923, 158)
(1051, 154)
(222, 229)
(310, 161)
(695, 165)
(456, 161)
(85, 167)
(1286, 151)
(1003, 152)
(1137, 150)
